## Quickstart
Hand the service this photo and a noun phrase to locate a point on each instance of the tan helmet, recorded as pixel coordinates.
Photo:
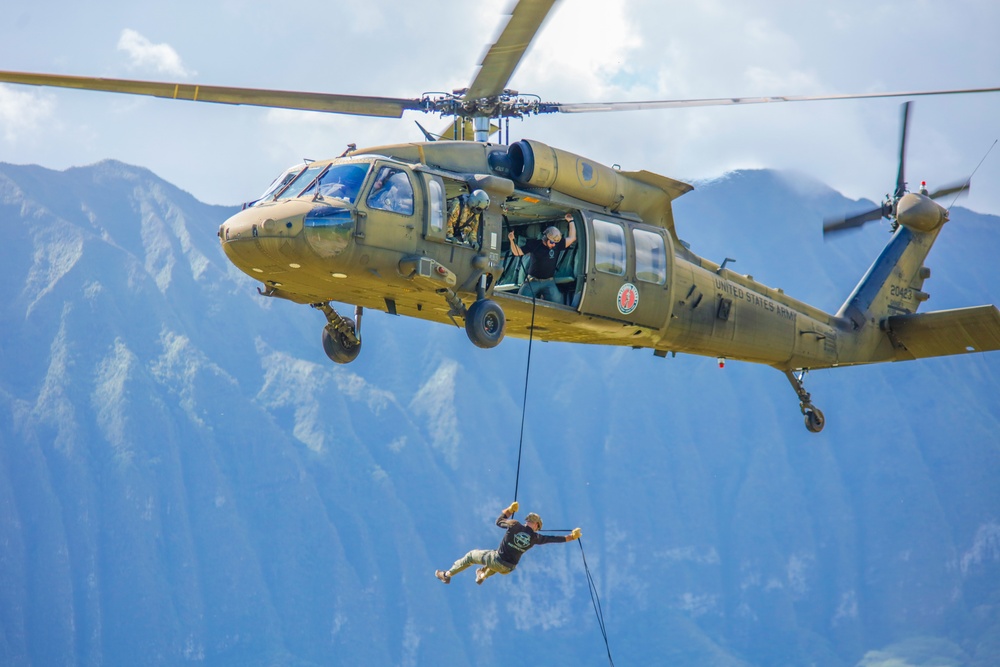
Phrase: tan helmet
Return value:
(479, 200)
(533, 518)
(553, 234)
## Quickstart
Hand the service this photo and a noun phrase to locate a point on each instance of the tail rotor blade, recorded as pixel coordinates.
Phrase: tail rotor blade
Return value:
(831, 225)
(960, 187)
(901, 176)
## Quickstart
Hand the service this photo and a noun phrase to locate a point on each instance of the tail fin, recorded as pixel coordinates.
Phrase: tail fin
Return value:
(881, 310)
(893, 284)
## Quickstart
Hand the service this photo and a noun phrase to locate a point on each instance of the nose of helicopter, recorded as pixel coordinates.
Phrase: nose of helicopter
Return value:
(253, 239)
(282, 219)
(270, 242)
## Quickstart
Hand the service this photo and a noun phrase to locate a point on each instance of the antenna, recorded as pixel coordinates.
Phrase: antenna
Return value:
(968, 181)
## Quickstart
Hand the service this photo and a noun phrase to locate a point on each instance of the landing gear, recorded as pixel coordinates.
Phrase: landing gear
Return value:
(814, 419)
(485, 323)
(341, 335)
(337, 345)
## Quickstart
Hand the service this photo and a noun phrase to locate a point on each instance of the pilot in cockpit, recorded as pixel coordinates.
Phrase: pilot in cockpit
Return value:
(340, 181)
(392, 191)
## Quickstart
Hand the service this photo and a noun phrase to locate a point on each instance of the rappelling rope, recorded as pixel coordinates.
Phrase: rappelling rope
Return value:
(524, 400)
(594, 597)
(596, 601)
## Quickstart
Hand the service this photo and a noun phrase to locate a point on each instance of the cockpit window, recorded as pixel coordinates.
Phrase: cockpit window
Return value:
(340, 181)
(392, 191)
(281, 182)
(296, 185)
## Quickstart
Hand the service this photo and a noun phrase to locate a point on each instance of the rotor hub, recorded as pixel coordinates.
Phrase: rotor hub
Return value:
(508, 104)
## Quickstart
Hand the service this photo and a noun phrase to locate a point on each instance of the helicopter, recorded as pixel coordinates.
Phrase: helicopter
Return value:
(432, 229)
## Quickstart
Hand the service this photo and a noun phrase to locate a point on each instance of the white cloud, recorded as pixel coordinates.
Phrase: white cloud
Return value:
(436, 401)
(144, 54)
(22, 112)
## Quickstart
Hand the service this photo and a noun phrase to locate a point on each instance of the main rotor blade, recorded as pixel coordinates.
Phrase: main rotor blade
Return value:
(900, 175)
(840, 224)
(590, 107)
(388, 107)
(503, 56)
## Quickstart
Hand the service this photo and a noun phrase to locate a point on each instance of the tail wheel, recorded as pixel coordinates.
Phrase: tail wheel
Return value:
(337, 347)
(485, 323)
(815, 420)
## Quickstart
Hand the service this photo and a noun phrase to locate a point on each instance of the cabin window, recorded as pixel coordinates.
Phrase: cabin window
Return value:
(609, 247)
(650, 257)
(340, 181)
(392, 191)
(435, 190)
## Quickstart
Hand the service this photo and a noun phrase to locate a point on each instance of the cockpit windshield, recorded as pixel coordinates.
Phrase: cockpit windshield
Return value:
(281, 182)
(340, 181)
(299, 183)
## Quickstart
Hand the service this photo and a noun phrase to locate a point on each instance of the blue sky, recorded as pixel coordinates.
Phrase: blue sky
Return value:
(590, 50)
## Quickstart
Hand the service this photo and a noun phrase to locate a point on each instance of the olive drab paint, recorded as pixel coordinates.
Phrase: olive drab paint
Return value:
(373, 228)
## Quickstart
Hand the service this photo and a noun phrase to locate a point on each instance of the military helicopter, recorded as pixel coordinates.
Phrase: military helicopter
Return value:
(431, 230)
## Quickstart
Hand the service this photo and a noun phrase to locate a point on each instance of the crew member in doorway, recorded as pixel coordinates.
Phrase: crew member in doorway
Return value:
(544, 253)
(518, 539)
(465, 214)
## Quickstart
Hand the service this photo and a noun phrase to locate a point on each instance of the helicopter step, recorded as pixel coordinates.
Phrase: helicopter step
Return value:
(341, 335)
(814, 419)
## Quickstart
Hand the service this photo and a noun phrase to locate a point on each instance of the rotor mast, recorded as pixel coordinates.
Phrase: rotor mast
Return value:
(481, 128)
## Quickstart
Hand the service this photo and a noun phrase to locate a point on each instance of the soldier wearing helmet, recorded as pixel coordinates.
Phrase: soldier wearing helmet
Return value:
(465, 213)
(544, 253)
(517, 540)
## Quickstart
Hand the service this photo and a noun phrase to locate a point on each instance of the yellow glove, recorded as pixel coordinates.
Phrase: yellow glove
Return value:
(510, 510)
(575, 535)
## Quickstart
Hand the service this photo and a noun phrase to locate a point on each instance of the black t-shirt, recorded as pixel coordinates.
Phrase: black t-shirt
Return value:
(518, 539)
(543, 258)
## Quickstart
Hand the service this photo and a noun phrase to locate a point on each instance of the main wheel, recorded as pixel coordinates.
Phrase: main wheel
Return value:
(485, 323)
(815, 420)
(338, 348)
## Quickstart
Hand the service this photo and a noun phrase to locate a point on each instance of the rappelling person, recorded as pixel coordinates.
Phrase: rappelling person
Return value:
(544, 254)
(518, 539)
(465, 214)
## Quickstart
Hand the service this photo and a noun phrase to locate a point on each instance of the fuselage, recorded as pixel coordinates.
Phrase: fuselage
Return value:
(373, 229)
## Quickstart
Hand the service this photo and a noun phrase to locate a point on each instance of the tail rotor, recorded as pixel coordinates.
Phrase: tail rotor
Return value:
(890, 205)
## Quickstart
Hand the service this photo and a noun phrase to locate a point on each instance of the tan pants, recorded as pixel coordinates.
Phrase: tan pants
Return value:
(486, 557)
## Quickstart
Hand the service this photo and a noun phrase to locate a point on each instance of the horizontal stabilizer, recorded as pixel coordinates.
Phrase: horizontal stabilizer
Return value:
(945, 332)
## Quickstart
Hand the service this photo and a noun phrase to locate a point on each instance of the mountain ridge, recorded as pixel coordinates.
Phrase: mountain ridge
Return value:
(185, 478)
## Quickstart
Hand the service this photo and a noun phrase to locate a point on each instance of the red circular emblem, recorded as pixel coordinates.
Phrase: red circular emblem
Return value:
(628, 298)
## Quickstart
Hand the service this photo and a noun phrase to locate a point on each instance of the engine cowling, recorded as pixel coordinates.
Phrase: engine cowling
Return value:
(536, 164)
